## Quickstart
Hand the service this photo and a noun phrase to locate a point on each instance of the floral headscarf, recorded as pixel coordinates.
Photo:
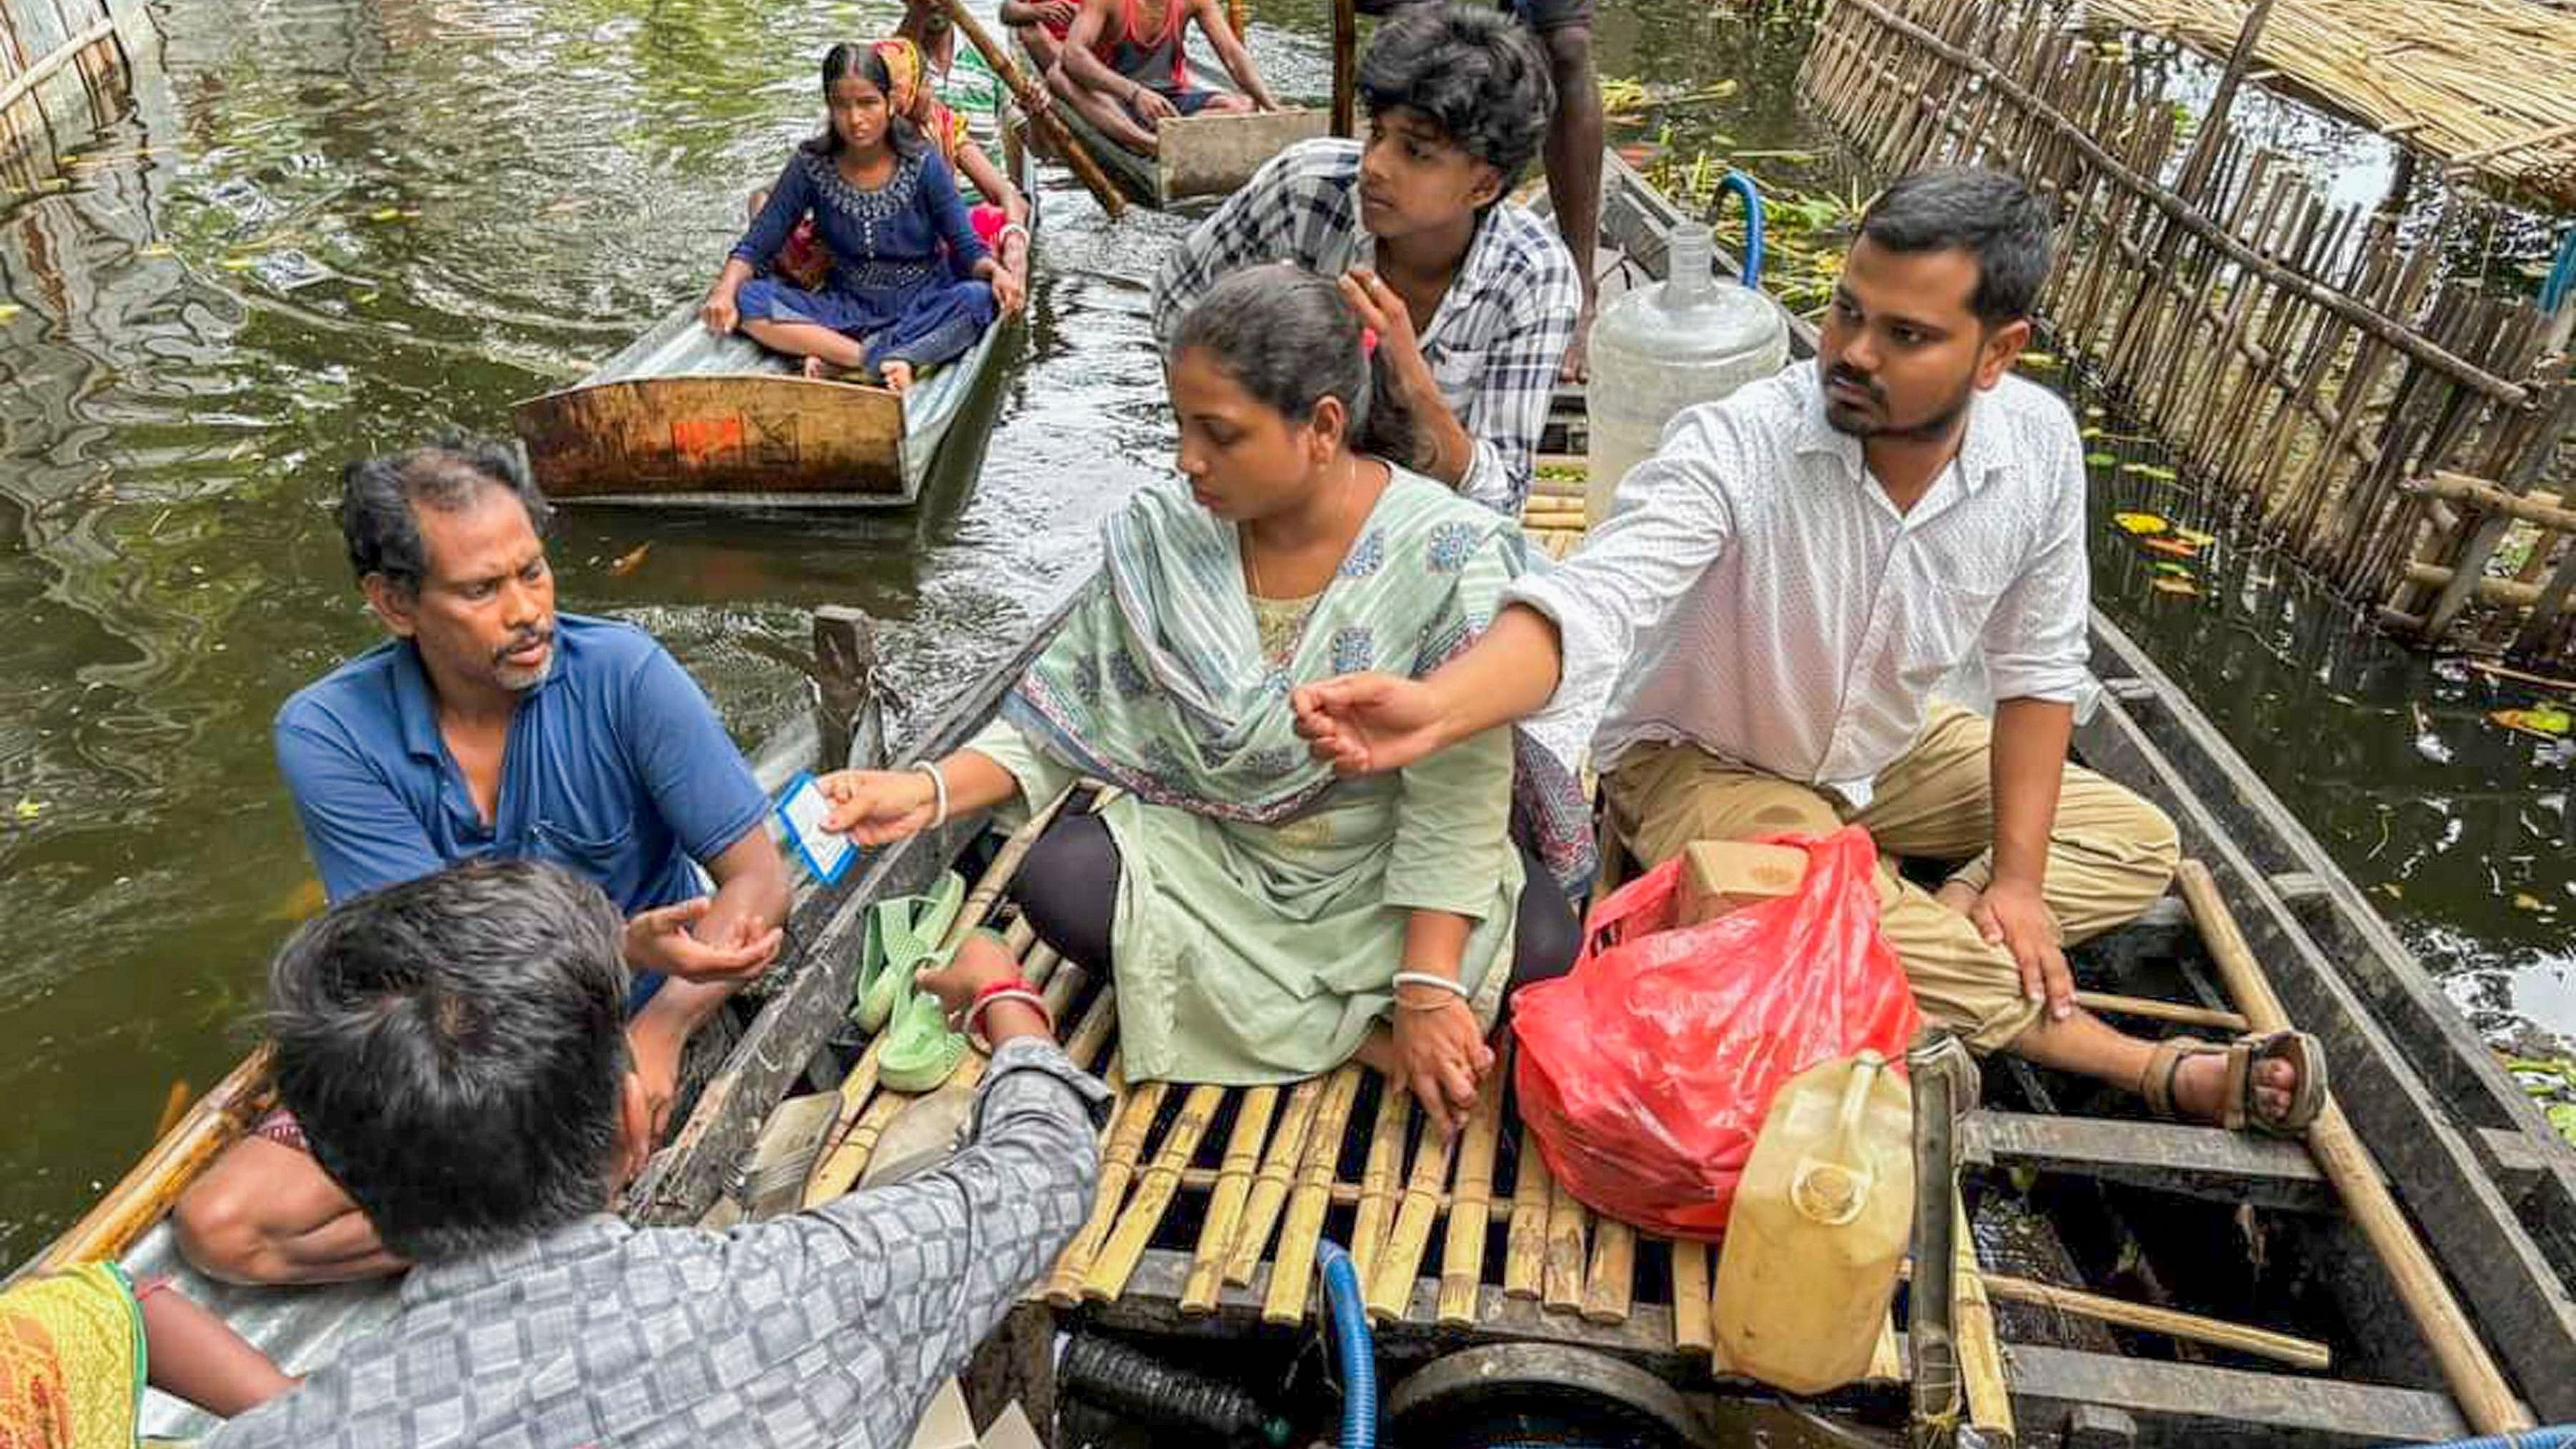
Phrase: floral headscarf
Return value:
(909, 97)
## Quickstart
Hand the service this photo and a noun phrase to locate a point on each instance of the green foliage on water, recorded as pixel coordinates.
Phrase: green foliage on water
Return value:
(2551, 1081)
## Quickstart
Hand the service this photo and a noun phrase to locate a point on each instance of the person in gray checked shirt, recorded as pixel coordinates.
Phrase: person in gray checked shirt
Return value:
(452, 1048)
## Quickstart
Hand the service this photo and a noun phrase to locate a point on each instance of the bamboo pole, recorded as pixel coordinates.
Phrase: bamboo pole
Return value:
(1693, 1332)
(1346, 44)
(1270, 1185)
(1136, 1113)
(2213, 120)
(145, 1195)
(1981, 1358)
(1525, 1246)
(1471, 1202)
(2298, 1352)
(1154, 1191)
(1092, 1035)
(2475, 1381)
(1611, 1279)
(1562, 1286)
(2147, 1007)
(837, 1171)
(1225, 1203)
(1040, 110)
(1377, 1178)
(1390, 1287)
(1292, 1269)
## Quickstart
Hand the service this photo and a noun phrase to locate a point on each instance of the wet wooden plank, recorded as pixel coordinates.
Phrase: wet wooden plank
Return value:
(2203, 1162)
(2221, 1408)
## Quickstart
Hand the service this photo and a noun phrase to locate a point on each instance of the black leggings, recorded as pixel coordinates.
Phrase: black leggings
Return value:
(1068, 888)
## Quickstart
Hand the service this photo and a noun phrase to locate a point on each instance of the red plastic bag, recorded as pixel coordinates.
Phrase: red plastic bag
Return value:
(1646, 1071)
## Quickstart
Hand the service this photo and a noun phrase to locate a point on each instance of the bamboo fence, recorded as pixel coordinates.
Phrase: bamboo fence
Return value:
(2311, 370)
(50, 50)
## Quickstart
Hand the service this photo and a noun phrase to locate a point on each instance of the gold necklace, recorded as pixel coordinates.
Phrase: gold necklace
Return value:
(1252, 561)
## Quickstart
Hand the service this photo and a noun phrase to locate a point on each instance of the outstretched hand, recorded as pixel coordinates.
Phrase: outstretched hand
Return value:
(873, 807)
(666, 939)
(1367, 724)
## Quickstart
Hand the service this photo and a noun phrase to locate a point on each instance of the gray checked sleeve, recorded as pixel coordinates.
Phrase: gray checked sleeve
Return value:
(920, 1272)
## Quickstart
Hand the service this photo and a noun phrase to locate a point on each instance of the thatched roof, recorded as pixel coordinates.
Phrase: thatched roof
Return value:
(2484, 86)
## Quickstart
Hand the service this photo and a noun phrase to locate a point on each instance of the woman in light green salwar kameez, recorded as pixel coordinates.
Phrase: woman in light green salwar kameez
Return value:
(1265, 920)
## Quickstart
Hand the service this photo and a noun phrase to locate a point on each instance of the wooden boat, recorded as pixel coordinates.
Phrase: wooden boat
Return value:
(1197, 156)
(1213, 1200)
(681, 417)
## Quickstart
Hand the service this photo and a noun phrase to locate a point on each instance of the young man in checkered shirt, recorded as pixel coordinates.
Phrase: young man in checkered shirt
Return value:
(1472, 298)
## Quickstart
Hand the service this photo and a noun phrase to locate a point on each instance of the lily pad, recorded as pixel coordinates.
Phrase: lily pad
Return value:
(2548, 721)
(2140, 524)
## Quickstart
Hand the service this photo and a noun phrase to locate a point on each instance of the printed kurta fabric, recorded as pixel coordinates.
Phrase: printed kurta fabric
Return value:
(1262, 902)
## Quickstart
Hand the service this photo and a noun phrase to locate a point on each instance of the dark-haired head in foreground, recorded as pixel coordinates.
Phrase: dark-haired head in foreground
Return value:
(453, 1047)
(1458, 100)
(1934, 302)
(448, 543)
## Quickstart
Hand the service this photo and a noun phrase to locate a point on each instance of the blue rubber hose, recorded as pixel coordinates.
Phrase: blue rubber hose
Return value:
(2562, 275)
(2561, 1437)
(1355, 1345)
(1742, 185)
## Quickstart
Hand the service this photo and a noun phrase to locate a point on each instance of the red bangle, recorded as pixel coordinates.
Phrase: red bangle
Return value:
(1013, 982)
(1013, 990)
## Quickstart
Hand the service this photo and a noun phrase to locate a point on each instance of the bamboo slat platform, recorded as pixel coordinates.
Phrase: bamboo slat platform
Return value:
(1234, 1186)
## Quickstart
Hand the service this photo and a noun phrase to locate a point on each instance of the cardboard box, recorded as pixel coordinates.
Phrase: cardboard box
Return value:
(1719, 876)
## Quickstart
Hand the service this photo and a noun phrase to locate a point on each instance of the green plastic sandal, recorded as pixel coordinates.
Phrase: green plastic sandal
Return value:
(920, 1052)
(901, 934)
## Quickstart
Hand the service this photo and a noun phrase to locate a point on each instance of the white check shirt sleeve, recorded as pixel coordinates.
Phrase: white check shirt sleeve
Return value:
(2035, 643)
(1669, 519)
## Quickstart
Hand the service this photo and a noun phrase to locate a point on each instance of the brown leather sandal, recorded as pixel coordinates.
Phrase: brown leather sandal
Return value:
(2237, 1098)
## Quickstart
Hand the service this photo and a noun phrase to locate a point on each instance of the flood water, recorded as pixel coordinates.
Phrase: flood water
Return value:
(322, 228)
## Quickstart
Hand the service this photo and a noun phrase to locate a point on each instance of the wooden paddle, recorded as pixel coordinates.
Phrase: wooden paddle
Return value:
(1040, 111)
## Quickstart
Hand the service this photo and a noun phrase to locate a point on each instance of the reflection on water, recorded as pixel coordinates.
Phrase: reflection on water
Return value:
(326, 227)
(323, 229)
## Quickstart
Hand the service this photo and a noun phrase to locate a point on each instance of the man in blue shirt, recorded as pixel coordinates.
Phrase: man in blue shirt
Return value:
(492, 726)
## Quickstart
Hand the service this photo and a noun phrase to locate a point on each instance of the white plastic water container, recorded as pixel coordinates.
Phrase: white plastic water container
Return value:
(1657, 350)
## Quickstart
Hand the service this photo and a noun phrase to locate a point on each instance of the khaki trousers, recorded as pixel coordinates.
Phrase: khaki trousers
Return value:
(2110, 855)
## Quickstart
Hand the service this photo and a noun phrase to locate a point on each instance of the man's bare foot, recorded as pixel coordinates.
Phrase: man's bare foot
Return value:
(2200, 1080)
(898, 376)
(1577, 366)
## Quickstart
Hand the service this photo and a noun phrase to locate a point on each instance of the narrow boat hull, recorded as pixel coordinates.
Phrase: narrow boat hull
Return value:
(1201, 156)
(682, 418)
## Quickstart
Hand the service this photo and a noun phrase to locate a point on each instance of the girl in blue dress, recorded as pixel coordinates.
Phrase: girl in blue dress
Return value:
(911, 285)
